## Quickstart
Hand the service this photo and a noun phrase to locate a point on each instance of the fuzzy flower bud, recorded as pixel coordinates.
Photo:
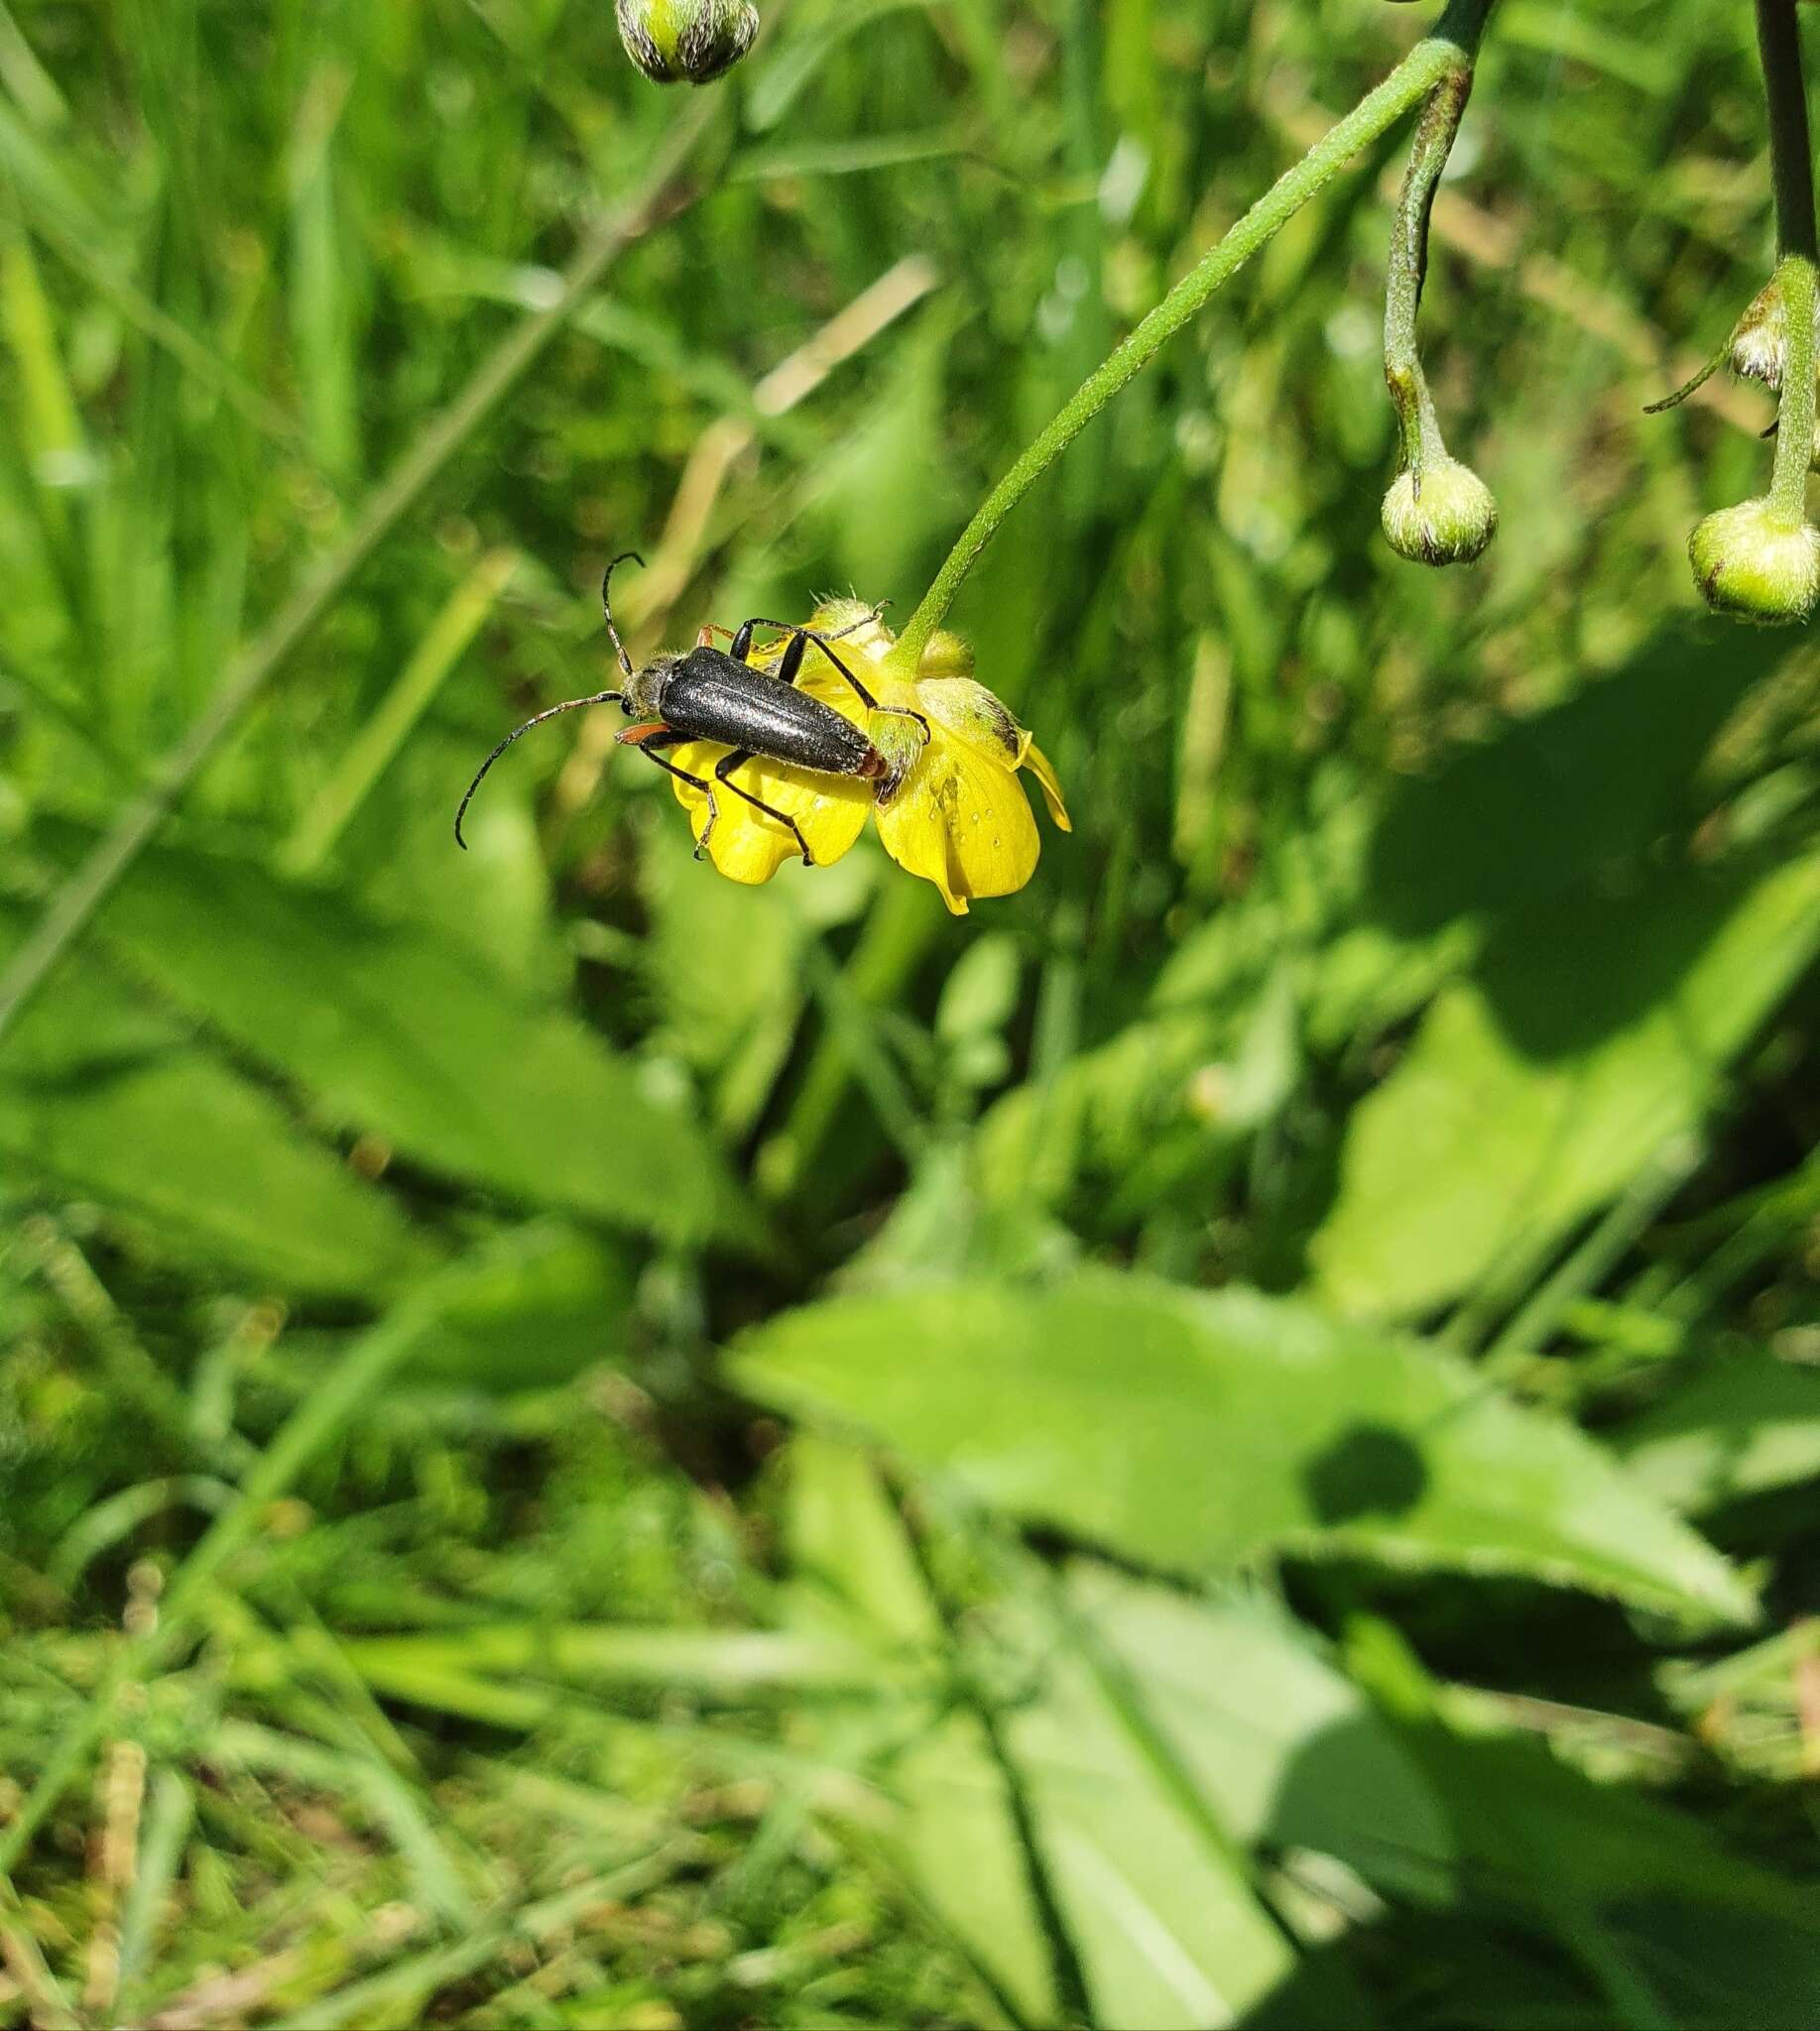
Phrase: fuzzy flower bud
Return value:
(698, 39)
(1443, 515)
(1748, 563)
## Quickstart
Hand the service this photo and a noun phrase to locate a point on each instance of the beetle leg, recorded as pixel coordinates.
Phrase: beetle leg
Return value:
(803, 636)
(790, 666)
(723, 773)
(866, 698)
(739, 639)
(797, 628)
(666, 737)
(864, 621)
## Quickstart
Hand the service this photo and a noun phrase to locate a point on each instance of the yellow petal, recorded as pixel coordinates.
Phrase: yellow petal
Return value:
(745, 844)
(1043, 769)
(961, 821)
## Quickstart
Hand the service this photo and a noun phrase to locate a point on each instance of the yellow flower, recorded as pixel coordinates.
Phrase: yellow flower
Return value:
(958, 816)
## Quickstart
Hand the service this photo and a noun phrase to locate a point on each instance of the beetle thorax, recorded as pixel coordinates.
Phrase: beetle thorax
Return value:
(643, 692)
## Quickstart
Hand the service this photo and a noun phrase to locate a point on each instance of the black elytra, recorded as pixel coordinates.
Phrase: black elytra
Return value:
(713, 694)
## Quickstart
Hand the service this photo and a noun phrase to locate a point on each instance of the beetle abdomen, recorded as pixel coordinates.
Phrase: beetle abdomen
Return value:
(711, 697)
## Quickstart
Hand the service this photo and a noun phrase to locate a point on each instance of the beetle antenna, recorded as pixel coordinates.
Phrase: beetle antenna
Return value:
(567, 705)
(606, 604)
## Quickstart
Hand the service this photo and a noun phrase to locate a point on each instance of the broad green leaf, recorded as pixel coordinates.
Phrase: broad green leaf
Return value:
(1593, 1032)
(105, 1099)
(1559, 796)
(1156, 1902)
(207, 1162)
(1192, 1431)
(1402, 891)
(1289, 1753)
(1283, 1747)
(1628, 1885)
(554, 1303)
(1737, 1427)
(400, 1033)
(954, 1838)
(394, 857)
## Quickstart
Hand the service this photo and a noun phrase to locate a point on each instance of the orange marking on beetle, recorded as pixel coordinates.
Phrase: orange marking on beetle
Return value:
(637, 736)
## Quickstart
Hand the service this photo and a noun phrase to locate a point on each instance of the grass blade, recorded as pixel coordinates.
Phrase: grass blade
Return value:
(77, 902)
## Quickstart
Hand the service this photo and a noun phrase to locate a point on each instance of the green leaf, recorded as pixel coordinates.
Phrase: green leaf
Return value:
(102, 1098)
(1191, 1431)
(554, 1303)
(1403, 889)
(1649, 1902)
(1593, 1033)
(954, 1838)
(1737, 1427)
(1156, 1902)
(1560, 794)
(1288, 1751)
(1283, 1749)
(400, 1033)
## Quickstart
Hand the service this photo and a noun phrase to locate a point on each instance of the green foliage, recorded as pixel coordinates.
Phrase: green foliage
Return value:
(1227, 1441)
(510, 1095)
(1592, 1033)
(1191, 1432)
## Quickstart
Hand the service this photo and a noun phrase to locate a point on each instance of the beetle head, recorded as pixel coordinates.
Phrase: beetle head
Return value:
(641, 693)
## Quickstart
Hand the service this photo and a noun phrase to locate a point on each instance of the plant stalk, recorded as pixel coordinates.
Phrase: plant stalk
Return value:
(1446, 53)
(1793, 168)
(1418, 429)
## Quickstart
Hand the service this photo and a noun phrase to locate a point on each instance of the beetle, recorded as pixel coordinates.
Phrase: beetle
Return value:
(713, 694)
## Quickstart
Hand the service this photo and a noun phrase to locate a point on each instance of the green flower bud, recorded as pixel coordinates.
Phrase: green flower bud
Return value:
(694, 39)
(1749, 563)
(1442, 515)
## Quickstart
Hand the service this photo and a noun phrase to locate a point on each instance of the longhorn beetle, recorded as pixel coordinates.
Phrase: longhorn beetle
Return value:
(712, 694)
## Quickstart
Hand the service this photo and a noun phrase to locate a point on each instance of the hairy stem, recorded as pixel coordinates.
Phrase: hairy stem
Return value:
(1447, 53)
(1791, 161)
(1419, 430)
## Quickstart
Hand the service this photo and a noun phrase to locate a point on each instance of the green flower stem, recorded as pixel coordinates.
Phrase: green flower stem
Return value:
(1792, 166)
(1418, 429)
(1447, 53)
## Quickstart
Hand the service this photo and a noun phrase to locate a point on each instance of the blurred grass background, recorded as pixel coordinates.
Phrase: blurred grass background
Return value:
(1267, 1475)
